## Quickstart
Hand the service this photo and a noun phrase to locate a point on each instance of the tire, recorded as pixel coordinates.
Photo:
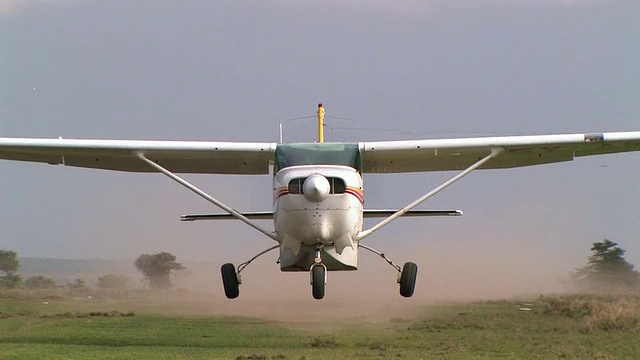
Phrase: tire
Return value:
(230, 281)
(317, 283)
(408, 279)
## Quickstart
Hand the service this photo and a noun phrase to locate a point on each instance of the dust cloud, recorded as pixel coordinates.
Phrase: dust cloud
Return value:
(450, 269)
(450, 273)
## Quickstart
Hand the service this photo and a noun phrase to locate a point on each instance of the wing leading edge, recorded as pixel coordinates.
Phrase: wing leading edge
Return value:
(458, 154)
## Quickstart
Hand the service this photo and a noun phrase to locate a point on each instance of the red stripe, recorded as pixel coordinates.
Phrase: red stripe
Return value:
(355, 193)
(283, 191)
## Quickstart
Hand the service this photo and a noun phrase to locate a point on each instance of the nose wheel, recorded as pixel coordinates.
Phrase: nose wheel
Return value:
(318, 273)
(318, 280)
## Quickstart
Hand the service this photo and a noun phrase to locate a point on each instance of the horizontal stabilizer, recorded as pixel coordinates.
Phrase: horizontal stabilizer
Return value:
(387, 213)
(258, 215)
(268, 215)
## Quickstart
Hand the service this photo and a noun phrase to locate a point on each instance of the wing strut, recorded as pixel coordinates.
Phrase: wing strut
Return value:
(208, 197)
(397, 214)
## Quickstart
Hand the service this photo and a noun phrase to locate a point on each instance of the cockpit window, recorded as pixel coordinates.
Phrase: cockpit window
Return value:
(318, 154)
(337, 185)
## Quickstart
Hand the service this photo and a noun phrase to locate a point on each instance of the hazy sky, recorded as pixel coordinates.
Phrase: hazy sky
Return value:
(234, 70)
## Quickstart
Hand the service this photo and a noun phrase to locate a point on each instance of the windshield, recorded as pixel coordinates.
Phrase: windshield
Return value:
(317, 154)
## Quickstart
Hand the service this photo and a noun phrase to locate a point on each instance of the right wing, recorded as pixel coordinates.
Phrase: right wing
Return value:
(176, 156)
(459, 154)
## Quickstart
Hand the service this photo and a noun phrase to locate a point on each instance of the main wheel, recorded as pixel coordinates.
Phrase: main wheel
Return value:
(230, 281)
(317, 281)
(408, 279)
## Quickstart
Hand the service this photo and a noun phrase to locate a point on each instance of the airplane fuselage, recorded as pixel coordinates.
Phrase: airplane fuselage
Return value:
(318, 206)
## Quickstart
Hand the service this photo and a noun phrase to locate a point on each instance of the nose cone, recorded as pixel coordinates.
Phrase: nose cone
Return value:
(316, 188)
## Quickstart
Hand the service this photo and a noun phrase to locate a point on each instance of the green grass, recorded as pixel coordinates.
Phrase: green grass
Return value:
(578, 327)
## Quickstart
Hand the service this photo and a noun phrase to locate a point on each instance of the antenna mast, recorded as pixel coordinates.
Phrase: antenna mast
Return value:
(320, 123)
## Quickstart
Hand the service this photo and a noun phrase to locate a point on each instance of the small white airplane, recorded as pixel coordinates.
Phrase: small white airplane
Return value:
(318, 192)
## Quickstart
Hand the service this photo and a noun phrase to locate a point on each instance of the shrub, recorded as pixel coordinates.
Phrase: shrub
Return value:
(113, 281)
(620, 314)
(39, 282)
(10, 281)
(597, 312)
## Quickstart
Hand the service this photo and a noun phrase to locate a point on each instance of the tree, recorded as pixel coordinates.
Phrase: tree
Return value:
(9, 264)
(607, 270)
(156, 268)
(113, 281)
(39, 282)
(78, 284)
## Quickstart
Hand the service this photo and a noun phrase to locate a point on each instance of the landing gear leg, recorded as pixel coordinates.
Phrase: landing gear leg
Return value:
(406, 276)
(318, 273)
(231, 279)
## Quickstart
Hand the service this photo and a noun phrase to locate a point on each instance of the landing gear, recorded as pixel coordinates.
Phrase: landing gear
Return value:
(230, 281)
(318, 273)
(408, 279)
(406, 275)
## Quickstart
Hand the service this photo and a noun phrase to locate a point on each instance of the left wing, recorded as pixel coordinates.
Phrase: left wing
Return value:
(177, 156)
(459, 154)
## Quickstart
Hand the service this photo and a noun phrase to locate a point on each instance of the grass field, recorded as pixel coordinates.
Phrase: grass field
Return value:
(580, 327)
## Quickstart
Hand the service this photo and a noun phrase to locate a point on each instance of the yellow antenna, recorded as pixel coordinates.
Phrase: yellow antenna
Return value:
(320, 123)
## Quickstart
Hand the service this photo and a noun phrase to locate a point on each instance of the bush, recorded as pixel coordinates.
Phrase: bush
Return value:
(575, 306)
(9, 264)
(10, 281)
(113, 281)
(620, 314)
(597, 312)
(78, 284)
(39, 282)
